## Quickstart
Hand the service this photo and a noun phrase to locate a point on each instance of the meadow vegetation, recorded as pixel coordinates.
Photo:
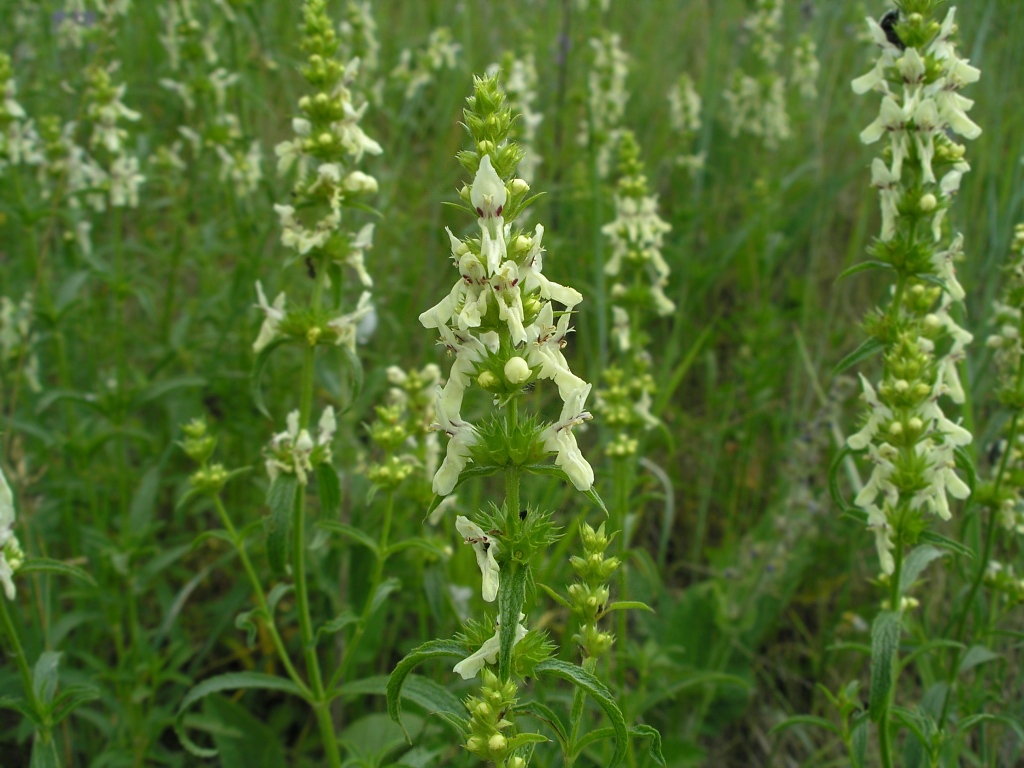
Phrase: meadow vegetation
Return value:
(548, 383)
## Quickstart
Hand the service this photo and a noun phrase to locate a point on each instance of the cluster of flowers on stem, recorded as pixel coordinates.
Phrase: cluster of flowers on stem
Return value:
(328, 142)
(607, 98)
(11, 555)
(499, 320)
(641, 276)
(685, 107)
(906, 435)
(417, 69)
(1008, 352)
(757, 104)
(589, 595)
(402, 429)
(203, 88)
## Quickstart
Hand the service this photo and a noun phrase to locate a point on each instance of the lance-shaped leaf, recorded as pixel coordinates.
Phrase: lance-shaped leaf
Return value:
(597, 690)
(435, 649)
(233, 681)
(278, 524)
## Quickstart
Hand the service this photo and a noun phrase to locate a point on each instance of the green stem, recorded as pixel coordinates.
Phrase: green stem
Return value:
(884, 736)
(313, 672)
(19, 656)
(375, 581)
(576, 714)
(261, 599)
(979, 576)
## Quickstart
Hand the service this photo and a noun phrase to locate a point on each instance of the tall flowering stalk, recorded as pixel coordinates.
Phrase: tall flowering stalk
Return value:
(640, 274)
(506, 323)
(685, 107)
(606, 100)
(328, 144)
(913, 446)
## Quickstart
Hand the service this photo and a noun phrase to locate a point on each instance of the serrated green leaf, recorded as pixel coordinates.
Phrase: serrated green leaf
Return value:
(915, 563)
(521, 740)
(256, 377)
(335, 625)
(833, 483)
(942, 542)
(421, 691)
(817, 722)
(596, 690)
(545, 714)
(652, 733)
(868, 348)
(859, 744)
(511, 596)
(864, 266)
(330, 490)
(977, 654)
(281, 498)
(468, 473)
(383, 590)
(160, 389)
(434, 649)
(44, 751)
(233, 681)
(416, 543)
(71, 699)
(45, 675)
(144, 499)
(45, 565)
(885, 641)
(246, 621)
(629, 605)
(1015, 725)
(218, 533)
(358, 536)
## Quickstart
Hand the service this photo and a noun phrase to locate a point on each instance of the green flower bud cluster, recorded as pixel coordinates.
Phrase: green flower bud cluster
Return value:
(488, 118)
(388, 431)
(199, 446)
(1004, 580)
(488, 719)
(622, 390)
(198, 443)
(589, 595)
(1006, 341)
(13, 554)
(402, 429)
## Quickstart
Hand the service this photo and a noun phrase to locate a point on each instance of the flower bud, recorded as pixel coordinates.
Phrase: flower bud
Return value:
(519, 186)
(497, 743)
(517, 370)
(487, 380)
(360, 183)
(928, 202)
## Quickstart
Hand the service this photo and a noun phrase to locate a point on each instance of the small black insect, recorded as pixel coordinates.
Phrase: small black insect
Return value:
(310, 268)
(530, 387)
(888, 25)
(523, 513)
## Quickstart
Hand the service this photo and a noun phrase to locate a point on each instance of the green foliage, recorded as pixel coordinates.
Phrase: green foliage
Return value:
(127, 322)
